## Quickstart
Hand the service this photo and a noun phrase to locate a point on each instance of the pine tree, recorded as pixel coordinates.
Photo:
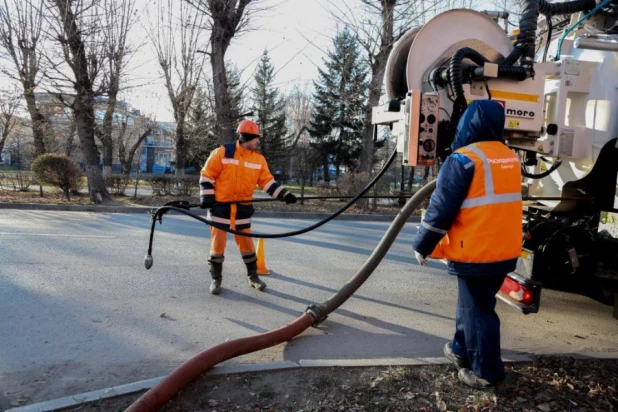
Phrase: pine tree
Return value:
(340, 94)
(268, 107)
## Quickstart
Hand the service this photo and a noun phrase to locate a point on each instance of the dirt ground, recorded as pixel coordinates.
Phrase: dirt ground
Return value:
(547, 384)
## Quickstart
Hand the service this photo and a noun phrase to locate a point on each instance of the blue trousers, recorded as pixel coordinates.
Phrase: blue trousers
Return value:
(477, 335)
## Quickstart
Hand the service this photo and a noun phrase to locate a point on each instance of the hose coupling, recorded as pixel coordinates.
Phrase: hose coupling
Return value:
(317, 313)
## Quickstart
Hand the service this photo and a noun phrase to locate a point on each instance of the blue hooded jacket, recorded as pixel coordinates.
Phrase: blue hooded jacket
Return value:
(483, 120)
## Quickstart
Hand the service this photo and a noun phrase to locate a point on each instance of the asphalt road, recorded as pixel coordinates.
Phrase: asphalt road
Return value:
(79, 312)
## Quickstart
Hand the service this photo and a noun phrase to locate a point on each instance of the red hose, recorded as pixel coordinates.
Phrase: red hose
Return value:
(165, 390)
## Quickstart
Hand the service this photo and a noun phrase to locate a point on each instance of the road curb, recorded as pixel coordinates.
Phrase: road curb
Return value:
(115, 391)
(147, 210)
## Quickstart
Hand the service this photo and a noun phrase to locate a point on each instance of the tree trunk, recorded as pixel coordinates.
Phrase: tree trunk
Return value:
(377, 79)
(83, 106)
(5, 131)
(69, 147)
(180, 145)
(106, 139)
(366, 156)
(84, 119)
(222, 98)
(326, 174)
(39, 123)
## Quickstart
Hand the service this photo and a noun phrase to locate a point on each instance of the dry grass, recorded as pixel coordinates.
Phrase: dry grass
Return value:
(549, 384)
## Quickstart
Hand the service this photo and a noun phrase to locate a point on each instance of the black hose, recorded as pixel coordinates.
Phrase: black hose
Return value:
(528, 24)
(321, 311)
(541, 175)
(524, 46)
(550, 28)
(505, 72)
(164, 209)
(455, 72)
(567, 7)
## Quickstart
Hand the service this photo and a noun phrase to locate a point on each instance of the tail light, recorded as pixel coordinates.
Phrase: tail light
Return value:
(521, 293)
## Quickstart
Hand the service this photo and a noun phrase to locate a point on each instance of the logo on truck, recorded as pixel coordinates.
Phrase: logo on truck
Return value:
(520, 113)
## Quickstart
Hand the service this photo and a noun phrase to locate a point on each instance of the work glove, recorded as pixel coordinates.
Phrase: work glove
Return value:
(289, 198)
(420, 258)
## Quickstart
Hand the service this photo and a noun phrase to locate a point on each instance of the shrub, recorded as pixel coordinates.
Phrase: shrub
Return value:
(166, 185)
(186, 185)
(162, 185)
(117, 184)
(57, 170)
(20, 180)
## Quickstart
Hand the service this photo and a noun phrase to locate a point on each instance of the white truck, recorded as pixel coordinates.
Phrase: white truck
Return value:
(558, 83)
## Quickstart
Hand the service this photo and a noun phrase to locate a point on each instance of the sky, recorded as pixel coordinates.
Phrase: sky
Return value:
(296, 33)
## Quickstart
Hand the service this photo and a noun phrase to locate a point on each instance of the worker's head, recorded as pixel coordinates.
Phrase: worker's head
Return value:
(248, 134)
(483, 120)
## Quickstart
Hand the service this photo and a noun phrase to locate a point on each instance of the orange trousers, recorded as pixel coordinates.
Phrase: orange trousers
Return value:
(219, 241)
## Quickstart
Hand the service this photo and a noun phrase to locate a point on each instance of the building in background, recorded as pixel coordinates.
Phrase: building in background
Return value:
(156, 154)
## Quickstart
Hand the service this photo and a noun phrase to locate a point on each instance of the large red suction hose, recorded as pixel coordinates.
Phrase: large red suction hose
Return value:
(165, 390)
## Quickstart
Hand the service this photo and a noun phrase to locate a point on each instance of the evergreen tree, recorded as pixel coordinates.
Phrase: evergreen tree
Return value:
(268, 107)
(340, 94)
(203, 128)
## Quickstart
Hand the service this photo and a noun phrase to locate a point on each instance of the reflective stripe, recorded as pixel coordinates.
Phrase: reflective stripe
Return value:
(469, 165)
(276, 193)
(433, 229)
(268, 185)
(253, 165)
(206, 179)
(230, 161)
(490, 197)
(205, 192)
(227, 221)
(489, 180)
(216, 258)
(491, 200)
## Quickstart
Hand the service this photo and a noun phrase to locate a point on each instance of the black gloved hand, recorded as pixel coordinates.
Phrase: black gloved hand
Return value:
(206, 205)
(289, 198)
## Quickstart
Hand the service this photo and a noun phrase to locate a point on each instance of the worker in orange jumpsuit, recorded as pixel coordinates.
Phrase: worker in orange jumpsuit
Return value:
(231, 174)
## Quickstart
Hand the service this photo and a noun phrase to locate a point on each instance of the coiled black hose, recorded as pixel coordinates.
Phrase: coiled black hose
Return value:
(567, 7)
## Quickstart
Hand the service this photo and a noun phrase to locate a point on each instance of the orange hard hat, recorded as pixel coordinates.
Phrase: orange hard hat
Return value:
(248, 127)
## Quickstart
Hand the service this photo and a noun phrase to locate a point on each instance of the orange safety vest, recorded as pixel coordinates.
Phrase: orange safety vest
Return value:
(488, 226)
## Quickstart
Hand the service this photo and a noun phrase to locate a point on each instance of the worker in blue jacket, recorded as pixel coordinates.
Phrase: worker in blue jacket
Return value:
(474, 221)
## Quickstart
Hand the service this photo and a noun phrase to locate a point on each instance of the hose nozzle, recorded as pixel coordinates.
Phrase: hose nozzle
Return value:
(148, 261)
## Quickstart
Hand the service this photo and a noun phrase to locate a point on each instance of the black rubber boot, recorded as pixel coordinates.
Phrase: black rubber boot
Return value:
(254, 280)
(216, 272)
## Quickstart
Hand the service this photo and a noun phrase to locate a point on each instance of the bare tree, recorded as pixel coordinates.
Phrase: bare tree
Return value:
(129, 139)
(21, 24)
(227, 18)
(177, 39)
(381, 24)
(9, 101)
(78, 29)
(298, 115)
(118, 19)
(306, 159)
